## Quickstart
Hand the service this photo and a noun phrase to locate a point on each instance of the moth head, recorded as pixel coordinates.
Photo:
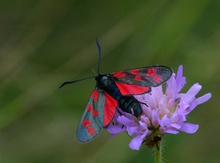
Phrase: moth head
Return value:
(102, 80)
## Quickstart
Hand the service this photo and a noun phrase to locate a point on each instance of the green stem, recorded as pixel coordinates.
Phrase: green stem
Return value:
(158, 153)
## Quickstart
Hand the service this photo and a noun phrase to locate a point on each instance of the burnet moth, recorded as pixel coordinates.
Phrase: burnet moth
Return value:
(113, 90)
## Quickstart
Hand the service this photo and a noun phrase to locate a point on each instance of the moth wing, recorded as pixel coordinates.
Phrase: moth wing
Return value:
(139, 80)
(99, 112)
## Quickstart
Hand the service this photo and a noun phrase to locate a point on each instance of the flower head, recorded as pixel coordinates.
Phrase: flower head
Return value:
(163, 112)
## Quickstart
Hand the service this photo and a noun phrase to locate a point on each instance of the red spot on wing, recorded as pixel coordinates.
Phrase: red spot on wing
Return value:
(119, 74)
(151, 72)
(89, 108)
(91, 130)
(95, 95)
(137, 78)
(157, 79)
(131, 89)
(86, 122)
(109, 109)
(134, 71)
(95, 113)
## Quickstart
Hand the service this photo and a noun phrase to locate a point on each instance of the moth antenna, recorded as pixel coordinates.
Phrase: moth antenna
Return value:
(99, 53)
(74, 81)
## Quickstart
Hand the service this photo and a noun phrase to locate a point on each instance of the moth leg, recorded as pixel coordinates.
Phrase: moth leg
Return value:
(143, 103)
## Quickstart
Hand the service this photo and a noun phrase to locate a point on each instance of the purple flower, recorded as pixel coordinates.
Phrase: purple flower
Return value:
(164, 113)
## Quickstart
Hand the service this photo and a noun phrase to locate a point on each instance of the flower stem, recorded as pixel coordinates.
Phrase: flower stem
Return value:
(158, 153)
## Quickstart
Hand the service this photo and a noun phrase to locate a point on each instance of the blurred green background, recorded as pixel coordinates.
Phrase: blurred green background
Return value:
(46, 42)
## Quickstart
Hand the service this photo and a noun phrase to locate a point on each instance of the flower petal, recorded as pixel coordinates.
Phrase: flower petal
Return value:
(124, 120)
(136, 142)
(176, 126)
(155, 118)
(199, 101)
(171, 89)
(192, 92)
(204, 98)
(165, 123)
(143, 125)
(133, 130)
(189, 128)
(171, 131)
(115, 129)
(180, 80)
(145, 120)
